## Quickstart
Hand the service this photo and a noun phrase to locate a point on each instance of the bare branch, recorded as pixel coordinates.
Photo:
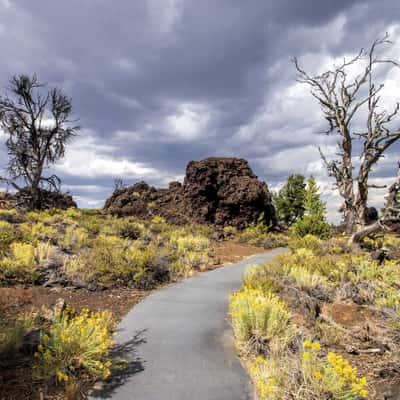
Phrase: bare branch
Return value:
(9, 182)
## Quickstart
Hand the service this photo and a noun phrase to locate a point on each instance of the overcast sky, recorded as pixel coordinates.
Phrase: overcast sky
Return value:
(157, 83)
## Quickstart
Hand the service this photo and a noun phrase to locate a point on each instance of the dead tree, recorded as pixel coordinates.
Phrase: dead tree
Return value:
(38, 127)
(342, 100)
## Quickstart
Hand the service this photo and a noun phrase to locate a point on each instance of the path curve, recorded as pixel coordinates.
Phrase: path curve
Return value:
(179, 343)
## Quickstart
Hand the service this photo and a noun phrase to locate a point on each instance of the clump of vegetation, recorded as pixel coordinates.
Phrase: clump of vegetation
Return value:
(256, 277)
(22, 262)
(258, 234)
(230, 231)
(260, 321)
(129, 229)
(76, 344)
(112, 261)
(12, 333)
(306, 280)
(188, 252)
(39, 231)
(307, 377)
(8, 235)
(74, 238)
(310, 242)
(332, 376)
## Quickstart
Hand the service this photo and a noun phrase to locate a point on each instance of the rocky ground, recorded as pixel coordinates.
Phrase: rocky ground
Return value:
(346, 302)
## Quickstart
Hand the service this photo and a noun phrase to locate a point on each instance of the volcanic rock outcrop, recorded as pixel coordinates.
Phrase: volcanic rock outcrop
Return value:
(218, 191)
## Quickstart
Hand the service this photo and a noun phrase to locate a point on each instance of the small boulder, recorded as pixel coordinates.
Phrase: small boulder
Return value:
(59, 305)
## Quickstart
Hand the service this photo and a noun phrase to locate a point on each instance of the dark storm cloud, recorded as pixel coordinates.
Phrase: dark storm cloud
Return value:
(159, 82)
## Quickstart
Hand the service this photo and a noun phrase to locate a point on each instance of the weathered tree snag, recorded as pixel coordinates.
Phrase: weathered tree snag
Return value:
(341, 99)
(38, 127)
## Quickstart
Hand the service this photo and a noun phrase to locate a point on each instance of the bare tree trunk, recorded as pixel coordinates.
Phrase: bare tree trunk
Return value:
(360, 209)
(348, 217)
(346, 190)
(35, 187)
(390, 218)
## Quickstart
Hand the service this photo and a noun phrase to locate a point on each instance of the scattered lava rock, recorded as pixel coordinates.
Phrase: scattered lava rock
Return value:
(5, 200)
(47, 199)
(58, 306)
(23, 200)
(371, 215)
(218, 191)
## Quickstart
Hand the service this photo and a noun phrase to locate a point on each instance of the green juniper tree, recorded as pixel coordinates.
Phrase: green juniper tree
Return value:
(313, 221)
(289, 201)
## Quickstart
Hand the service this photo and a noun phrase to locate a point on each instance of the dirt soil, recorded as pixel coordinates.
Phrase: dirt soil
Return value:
(16, 382)
(230, 252)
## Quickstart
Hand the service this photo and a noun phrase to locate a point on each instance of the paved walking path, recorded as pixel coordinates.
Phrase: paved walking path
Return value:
(179, 343)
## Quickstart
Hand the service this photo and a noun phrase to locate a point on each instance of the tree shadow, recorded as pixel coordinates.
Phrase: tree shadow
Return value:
(128, 364)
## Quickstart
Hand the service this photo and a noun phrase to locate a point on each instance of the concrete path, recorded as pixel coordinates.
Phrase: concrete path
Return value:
(179, 343)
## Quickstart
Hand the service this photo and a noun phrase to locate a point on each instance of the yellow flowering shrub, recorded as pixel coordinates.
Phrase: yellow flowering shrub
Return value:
(384, 277)
(111, 260)
(268, 377)
(8, 235)
(230, 230)
(23, 254)
(259, 277)
(305, 279)
(49, 216)
(40, 232)
(93, 221)
(22, 262)
(389, 297)
(182, 242)
(259, 235)
(361, 268)
(77, 343)
(372, 244)
(308, 377)
(260, 318)
(302, 267)
(187, 251)
(73, 213)
(158, 224)
(125, 228)
(330, 377)
(309, 242)
(74, 238)
(20, 265)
